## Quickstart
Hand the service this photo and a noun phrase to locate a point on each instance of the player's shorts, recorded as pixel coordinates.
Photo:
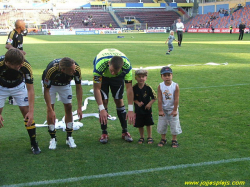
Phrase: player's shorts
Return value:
(143, 120)
(173, 122)
(170, 47)
(64, 92)
(19, 93)
(116, 85)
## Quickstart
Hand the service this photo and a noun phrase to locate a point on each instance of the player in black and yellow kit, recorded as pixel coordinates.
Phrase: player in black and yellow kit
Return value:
(111, 69)
(15, 40)
(15, 37)
(56, 79)
(16, 79)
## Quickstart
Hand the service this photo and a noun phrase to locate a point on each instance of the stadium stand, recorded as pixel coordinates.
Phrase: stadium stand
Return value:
(152, 17)
(180, 1)
(234, 19)
(94, 18)
(130, 1)
(98, 16)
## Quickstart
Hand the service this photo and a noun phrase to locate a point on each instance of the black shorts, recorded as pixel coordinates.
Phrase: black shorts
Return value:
(116, 85)
(143, 120)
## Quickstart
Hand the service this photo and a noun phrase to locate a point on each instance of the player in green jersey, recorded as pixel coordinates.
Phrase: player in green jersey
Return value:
(111, 69)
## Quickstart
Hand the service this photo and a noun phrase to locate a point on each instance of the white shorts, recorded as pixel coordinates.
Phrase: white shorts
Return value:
(173, 122)
(19, 93)
(64, 92)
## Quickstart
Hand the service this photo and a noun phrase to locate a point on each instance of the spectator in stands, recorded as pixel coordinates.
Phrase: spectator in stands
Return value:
(231, 29)
(242, 27)
(212, 28)
(179, 29)
(86, 22)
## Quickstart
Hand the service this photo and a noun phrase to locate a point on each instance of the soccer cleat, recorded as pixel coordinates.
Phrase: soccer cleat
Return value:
(104, 138)
(71, 142)
(52, 143)
(127, 137)
(35, 149)
(167, 53)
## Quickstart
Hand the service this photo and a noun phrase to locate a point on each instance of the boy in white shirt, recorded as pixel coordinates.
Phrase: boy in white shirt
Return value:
(168, 101)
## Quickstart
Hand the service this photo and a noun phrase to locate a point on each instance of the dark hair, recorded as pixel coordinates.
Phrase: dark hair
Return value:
(14, 56)
(116, 62)
(66, 62)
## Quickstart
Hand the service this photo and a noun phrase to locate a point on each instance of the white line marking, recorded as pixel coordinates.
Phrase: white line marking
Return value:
(159, 67)
(75, 179)
(215, 86)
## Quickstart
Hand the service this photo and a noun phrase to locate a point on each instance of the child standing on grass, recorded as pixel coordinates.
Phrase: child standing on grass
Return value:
(168, 101)
(144, 97)
(169, 41)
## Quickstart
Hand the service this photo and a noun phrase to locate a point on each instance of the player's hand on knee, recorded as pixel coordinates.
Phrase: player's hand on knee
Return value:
(79, 113)
(51, 117)
(103, 117)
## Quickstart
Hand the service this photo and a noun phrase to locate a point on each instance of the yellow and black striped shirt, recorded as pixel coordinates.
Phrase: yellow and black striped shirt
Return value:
(11, 78)
(53, 76)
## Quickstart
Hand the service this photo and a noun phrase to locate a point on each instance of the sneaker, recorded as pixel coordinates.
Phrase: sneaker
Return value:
(11, 101)
(127, 137)
(35, 149)
(167, 53)
(52, 143)
(104, 138)
(71, 142)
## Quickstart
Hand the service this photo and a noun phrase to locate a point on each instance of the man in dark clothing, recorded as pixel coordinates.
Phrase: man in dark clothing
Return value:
(242, 27)
(16, 79)
(15, 40)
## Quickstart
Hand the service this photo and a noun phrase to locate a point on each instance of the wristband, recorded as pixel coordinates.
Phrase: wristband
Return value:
(130, 108)
(101, 107)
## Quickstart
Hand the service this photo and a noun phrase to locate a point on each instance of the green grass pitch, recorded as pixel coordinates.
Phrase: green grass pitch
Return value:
(214, 115)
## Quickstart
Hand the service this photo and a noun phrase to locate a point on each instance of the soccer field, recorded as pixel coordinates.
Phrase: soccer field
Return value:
(212, 71)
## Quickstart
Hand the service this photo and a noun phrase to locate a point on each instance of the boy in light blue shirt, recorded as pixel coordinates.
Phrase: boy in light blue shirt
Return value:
(169, 41)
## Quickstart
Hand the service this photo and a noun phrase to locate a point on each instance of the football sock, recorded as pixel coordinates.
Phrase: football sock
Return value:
(69, 129)
(52, 131)
(104, 129)
(121, 113)
(31, 131)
